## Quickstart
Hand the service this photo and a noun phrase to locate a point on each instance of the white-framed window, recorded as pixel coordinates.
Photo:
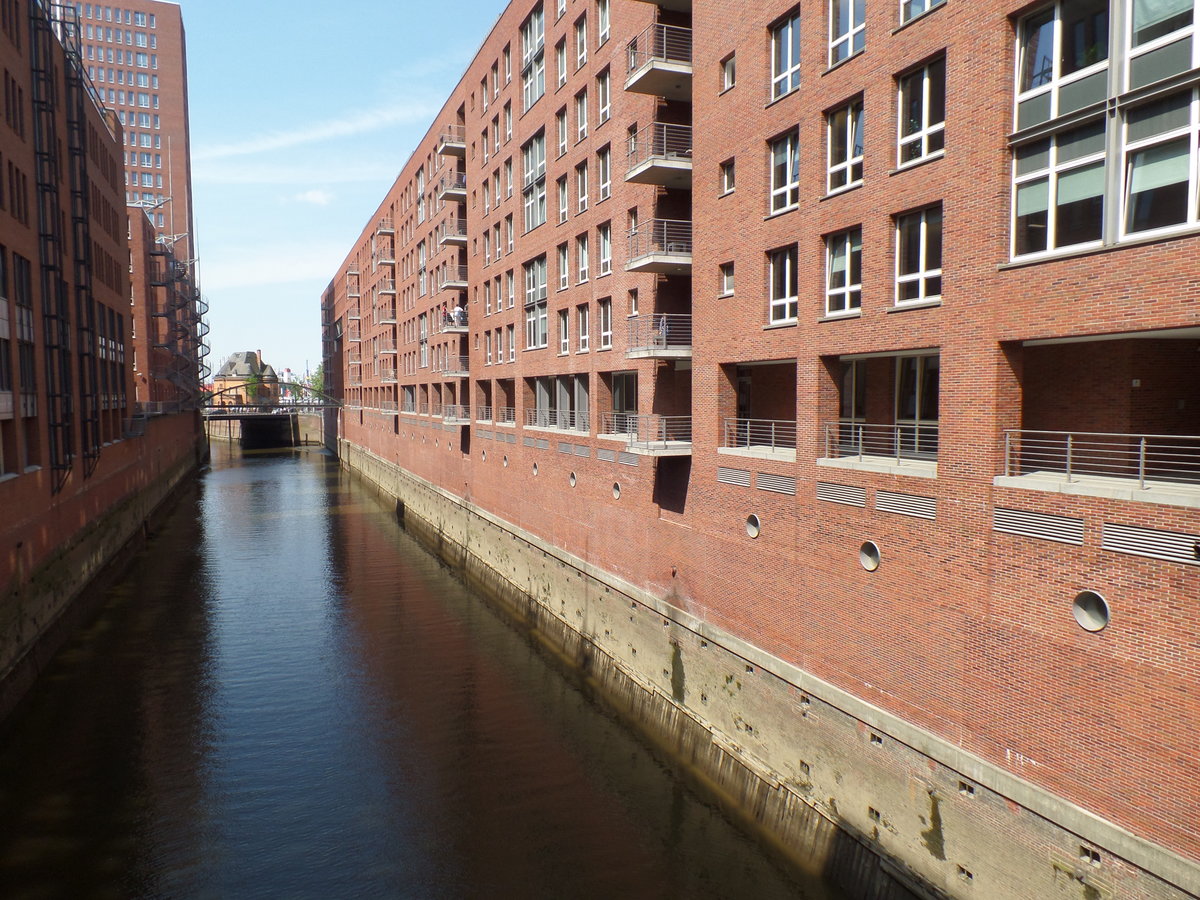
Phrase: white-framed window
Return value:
(560, 127)
(564, 332)
(581, 115)
(783, 284)
(847, 29)
(487, 247)
(496, 135)
(564, 268)
(845, 126)
(785, 171)
(560, 62)
(507, 58)
(1058, 190)
(604, 172)
(508, 231)
(507, 122)
(581, 257)
(604, 237)
(728, 177)
(1062, 59)
(583, 321)
(1162, 39)
(496, 239)
(603, 25)
(728, 72)
(843, 263)
(533, 57)
(581, 41)
(561, 9)
(603, 96)
(910, 9)
(510, 283)
(487, 344)
(922, 117)
(512, 342)
(487, 298)
(632, 302)
(605, 312)
(508, 178)
(785, 55)
(533, 158)
(535, 303)
(725, 279)
(487, 198)
(581, 186)
(563, 201)
(919, 256)
(1161, 144)
(483, 94)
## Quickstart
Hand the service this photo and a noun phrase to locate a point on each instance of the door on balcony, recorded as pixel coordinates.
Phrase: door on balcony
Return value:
(917, 385)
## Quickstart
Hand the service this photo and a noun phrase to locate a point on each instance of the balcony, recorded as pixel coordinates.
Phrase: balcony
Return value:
(386, 286)
(655, 435)
(452, 278)
(385, 226)
(385, 314)
(665, 336)
(453, 187)
(389, 407)
(354, 376)
(354, 357)
(353, 314)
(560, 420)
(352, 284)
(684, 6)
(451, 324)
(661, 154)
(1155, 468)
(453, 141)
(387, 373)
(483, 414)
(454, 367)
(505, 415)
(384, 253)
(387, 345)
(662, 246)
(911, 447)
(766, 438)
(353, 332)
(660, 62)
(456, 415)
(453, 233)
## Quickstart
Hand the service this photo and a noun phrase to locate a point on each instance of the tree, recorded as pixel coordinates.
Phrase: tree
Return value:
(252, 384)
(318, 379)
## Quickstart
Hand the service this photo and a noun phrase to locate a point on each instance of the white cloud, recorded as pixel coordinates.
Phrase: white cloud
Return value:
(315, 196)
(230, 268)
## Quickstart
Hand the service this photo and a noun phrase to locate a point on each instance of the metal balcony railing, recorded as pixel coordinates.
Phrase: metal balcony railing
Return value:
(389, 406)
(665, 331)
(450, 322)
(660, 43)
(899, 441)
(387, 344)
(452, 277)
(423, 408)
(354, 357)
(385, 314)
(387, 374)
(567, 420)
(661, 237)
(624, 423)
(452, 229)
(655, 432)
(452, 137)
(386, 286)
(385, 226)
(435, 409)
(408, 406)
(353, 332)
(384, 251)
(455, 182)
(660, 141)
(765, 434)
(505, 415)
(456, 412)
(353, 313)
(1133, 457)
(454, 367)
(483, 414)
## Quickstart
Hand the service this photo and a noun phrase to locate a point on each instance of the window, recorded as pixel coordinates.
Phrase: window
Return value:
(508, 231)
(728, 72)
(1162, 40)
(581, 43)
(785, 172)
(605, 307)
(603, 96)
(1063, 59)
(508, 178)
(560, 127)
(604, 235)
(785, 56)
(583, 315)
(919, 256)
(560, 62)
(847, 29)
(487, 298)
(784, 284)
(581, 186)
(1068, 167)
(910, 9)
(562, 8)
(487, 247)
(843, 285)
(533, 158)
(604, 167)
(564, 332)
(923, 112)
(564, 268)
(533, 57)
(507, 122)
(917, 387)
(633, 302)
(725, 279)
(509, 282)
(602, 21)
(507, 57)
(1161, 164)
(581, 115)
(845, 147)
(728, 180)
(512, 342)
(581, 257)
(535, 303)
(562, 200)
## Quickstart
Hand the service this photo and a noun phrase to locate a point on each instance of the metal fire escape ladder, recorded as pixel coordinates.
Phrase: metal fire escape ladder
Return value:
(85, 301)
(55, 307)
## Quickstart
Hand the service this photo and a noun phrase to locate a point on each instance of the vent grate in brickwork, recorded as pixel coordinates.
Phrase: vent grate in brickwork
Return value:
(627, 459)
(778, 484)
(542, 444)
(529, 442)
(906, 504)
(486, 435)
(740, 477)
(583, 450)
(566, 448)
(841, 493)
(606, 455)
(1045, 527)
(1168, 545)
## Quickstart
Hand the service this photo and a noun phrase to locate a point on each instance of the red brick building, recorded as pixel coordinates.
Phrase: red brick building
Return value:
(863, 339)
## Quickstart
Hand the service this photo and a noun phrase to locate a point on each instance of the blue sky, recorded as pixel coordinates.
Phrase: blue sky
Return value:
(300, 124)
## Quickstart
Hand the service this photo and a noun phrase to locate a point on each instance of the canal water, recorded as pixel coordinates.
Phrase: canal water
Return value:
(287, 697)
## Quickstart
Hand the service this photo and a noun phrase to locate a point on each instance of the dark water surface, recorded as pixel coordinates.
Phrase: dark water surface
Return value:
(288, 698)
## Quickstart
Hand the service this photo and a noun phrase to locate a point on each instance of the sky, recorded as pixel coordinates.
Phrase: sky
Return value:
(299, 124)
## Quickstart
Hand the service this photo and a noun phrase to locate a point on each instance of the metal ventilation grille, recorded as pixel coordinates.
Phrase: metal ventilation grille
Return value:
(606, 455)
(505, 436)
(627, 459)
(841, 493)
(486, 435)
(906, 504)
(1168, 545)
(1062, 529)
(740, 477)
(529, 442)
(779, 484)
(542, 444)
(566, 448)
(583, 450)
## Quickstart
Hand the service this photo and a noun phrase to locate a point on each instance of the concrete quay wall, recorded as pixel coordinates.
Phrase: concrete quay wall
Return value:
(786, 753)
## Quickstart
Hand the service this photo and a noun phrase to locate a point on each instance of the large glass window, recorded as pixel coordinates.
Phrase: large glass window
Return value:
(784, 284)
(533, 57)
(533, 159)
(923, 112)
(843, 291)
(1058, 191)
(910, 9)
(785, 171)
(919, 256)
(847, 29)
(1162, 40)
(535, 303)
(1063, 60)
(845, 147)
(1160, 164)
(785, 56)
